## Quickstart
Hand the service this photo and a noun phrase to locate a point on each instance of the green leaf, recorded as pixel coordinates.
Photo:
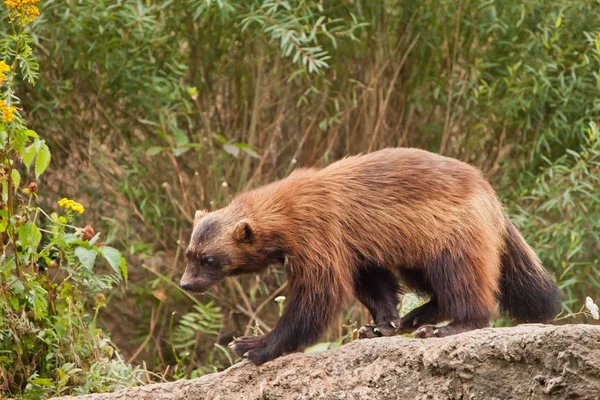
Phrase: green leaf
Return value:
(38, 298)
(124, 270)
(220, 138)
(31, 133)
(7, 265)
(317, 347)
(17, 287)
(3, 220)
(152, 151)
(148, 122)
(29, 236)
(69, 238)
(87, 257)
(14, 302)
(225, 353)
(192, 91)
(180, 137)
(180, 150)
(93, 240)
(15, 176)
(231, 149)
(248, 150)
(43, 382)
(28, 154)
(60, 328)
(43, 160)
(113, 256)
(5, 190)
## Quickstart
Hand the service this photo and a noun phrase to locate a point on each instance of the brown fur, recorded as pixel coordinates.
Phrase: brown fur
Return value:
(353, 229)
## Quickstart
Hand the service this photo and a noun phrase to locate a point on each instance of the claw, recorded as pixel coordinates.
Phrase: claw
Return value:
(393, 324)
(231, 344)
(246, 354)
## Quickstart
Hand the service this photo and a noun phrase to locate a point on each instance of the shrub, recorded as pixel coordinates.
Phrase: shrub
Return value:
(559, 214)
(51, 286)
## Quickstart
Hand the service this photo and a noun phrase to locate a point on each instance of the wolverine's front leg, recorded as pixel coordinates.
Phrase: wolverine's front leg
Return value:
(377, 288)
(304, 319)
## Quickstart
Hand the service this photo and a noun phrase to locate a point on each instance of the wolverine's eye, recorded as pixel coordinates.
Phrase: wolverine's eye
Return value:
(208, 260)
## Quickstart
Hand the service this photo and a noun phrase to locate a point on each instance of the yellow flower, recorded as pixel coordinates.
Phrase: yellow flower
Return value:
(22, 9)
(19, 4)
(4, 68)
(7, 112)
(32, 11)
(8, 115)
(71, 205)
(12, 3)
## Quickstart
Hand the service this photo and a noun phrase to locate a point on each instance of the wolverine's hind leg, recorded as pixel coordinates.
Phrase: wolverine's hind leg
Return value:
(428, 313)
(465, 287)
(377, 288)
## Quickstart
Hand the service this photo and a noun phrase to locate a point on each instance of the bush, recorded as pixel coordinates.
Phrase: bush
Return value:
(559, 215)
(50, 282)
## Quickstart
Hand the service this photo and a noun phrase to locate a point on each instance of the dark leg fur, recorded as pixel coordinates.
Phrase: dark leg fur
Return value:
(378, 288)
(304, 319)
(456, 287)
(416, 279)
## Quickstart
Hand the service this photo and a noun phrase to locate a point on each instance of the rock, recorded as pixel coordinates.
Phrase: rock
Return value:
(524, 362)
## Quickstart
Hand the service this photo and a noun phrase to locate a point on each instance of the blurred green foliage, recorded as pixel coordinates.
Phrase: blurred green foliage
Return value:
(154, 109)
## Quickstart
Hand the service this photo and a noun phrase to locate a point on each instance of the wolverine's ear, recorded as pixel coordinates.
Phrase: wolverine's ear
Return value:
(198, 216)
(243, 232)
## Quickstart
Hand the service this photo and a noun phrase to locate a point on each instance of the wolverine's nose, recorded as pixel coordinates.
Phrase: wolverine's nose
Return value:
(185, 285)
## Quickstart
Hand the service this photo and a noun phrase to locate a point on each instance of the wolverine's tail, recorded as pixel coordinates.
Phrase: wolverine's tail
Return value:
(528, 292)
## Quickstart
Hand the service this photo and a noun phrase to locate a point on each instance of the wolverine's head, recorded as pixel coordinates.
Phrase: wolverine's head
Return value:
(223, 243)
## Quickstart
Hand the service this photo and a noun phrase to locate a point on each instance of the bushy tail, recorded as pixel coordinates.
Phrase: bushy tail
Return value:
(528, 292)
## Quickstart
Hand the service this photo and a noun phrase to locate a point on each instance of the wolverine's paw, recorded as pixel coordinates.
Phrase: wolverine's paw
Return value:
(386, 329)
(451, 329)
(243, 345)
(430, 331)
(427, 331)
(261, 355)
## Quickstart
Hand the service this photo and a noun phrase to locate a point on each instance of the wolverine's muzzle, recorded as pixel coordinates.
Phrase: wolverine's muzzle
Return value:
(196, 284)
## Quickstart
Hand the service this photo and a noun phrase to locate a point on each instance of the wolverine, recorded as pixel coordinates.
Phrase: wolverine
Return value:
(359, 227)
